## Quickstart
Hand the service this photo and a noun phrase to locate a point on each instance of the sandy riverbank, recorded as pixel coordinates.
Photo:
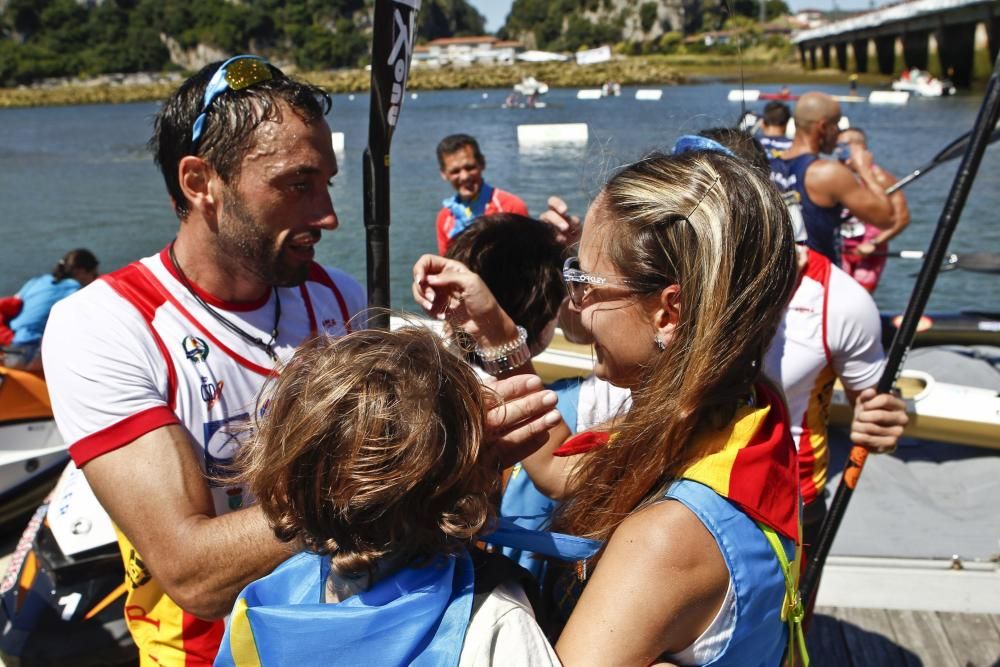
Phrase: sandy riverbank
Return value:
(638, 70)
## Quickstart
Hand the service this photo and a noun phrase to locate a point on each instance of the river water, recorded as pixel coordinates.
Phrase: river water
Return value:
(81, 176)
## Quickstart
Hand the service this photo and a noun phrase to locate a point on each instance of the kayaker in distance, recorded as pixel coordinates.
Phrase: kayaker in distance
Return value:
(825, 187)
(462, 165)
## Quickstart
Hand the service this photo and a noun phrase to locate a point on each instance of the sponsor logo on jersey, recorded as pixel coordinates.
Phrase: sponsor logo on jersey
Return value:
(136, 570)
(329, 323)
(211, 392)
(223, 438)
(195, 349)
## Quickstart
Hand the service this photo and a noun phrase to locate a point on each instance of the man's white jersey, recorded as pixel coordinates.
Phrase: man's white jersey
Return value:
(831, 329)
(135, 351)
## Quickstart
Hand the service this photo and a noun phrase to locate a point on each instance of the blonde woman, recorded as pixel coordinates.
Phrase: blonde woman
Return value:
(685, 265)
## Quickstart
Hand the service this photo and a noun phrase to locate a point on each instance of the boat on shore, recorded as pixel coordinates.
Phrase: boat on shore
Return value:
(32, 453)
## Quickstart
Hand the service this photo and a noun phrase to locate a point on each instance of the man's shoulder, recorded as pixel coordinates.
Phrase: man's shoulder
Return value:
(511, 202)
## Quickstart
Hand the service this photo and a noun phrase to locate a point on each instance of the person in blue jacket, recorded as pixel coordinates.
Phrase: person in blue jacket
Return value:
(78, 268)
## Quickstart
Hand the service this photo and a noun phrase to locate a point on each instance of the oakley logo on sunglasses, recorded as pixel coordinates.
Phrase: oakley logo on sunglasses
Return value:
(237, 73)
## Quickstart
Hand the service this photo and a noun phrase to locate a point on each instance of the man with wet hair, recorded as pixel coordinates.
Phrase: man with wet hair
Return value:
(825, 187)
(155, 396)
(462, 165)
(773, 130)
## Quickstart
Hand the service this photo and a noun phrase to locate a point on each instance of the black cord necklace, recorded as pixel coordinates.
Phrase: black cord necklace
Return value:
(253, 340)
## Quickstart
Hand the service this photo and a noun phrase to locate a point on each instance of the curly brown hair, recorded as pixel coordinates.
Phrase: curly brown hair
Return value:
(371, 445)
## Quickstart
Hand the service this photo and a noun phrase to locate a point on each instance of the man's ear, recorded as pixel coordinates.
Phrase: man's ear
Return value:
(668, 312)
(195, 177)
(444, 176)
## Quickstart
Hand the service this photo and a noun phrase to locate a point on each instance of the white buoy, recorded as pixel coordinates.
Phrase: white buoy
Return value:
(350, 97)
(552, 133)
(748, 95)
(844, 123)
(486, 95)
(413, 96)
(650, 95)
(898, 97)
(589, 94)
(337, 139)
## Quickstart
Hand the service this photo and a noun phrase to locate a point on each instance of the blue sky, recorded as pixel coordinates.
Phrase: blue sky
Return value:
(496, 11)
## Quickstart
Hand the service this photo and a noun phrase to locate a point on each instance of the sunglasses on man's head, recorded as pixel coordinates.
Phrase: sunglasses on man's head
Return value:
(237, 73)
(579, 283)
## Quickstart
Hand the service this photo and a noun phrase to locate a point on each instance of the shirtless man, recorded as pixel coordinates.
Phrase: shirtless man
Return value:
(825, 187)
(155, 393)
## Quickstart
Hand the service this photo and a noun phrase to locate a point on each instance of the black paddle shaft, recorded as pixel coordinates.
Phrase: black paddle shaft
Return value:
(985, 123)
(393, 35)
(949, 152)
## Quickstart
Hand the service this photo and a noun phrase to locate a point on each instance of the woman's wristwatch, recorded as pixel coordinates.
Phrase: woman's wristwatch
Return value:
(499, 360)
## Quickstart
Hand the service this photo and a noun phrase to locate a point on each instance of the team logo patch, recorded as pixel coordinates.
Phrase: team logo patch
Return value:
(195, 349)
(211, 392)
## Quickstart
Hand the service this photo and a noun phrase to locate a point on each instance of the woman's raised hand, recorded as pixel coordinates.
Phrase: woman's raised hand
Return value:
(447, 290)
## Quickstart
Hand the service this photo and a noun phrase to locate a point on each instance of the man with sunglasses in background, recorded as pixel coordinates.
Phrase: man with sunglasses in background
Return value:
(155, 395)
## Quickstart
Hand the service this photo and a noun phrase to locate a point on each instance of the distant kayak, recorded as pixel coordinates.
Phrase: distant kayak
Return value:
(778, 96)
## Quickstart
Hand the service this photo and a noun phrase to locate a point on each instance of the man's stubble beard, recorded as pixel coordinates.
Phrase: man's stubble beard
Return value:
(245, 241)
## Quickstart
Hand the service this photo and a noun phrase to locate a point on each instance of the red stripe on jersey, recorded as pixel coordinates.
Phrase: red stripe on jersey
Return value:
(121, 433)
(132, 285)
(304, 291)
(232, 306)
(806, 462)
(242, 361)
(201, 640)
(318, 274)
(818, 269)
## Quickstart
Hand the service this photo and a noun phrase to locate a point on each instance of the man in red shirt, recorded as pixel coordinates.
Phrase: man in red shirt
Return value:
(462, 165)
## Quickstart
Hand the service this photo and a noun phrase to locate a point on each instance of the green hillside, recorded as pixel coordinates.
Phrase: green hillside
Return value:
(51, 38)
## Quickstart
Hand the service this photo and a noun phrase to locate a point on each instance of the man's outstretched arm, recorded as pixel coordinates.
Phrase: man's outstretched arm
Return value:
(155, 492)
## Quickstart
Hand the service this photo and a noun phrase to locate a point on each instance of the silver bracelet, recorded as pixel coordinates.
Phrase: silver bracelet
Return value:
(503, 358)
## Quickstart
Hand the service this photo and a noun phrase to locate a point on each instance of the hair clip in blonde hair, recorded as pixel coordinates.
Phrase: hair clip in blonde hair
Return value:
(703, 195)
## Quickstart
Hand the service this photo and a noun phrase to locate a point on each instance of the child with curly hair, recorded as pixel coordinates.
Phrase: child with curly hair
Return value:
(370, 455)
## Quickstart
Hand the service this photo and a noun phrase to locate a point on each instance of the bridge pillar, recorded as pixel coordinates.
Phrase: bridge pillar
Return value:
(915, 49)
(956, 48)
(885, 51)
(860, 54)
(802, 55)
(812, 57)
(993, 31)
(825, 52)
(842, 56)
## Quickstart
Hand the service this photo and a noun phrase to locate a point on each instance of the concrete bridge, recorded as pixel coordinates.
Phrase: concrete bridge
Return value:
(950, 24)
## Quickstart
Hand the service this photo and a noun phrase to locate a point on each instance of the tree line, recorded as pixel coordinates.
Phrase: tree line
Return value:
(53, 38)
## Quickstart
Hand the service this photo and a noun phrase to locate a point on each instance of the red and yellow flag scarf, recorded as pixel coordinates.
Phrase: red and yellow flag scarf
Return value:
(753, 462)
